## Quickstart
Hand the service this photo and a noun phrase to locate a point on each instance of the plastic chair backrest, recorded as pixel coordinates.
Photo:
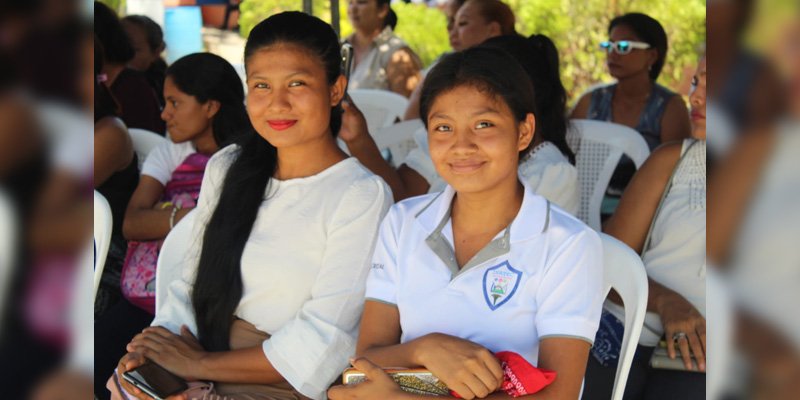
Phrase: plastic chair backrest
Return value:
(381, 108)
(624, 272)
(144, 142)
(103, 224)
(172, 256)
(398, 138)
(8, 246)
(598, 147)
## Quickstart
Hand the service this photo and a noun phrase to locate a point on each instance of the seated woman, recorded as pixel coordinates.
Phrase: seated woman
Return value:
(147, 40)
(637, 51)
(381, 60)
(674, 255)
(547, 166)
(139, 106)
(274, 285)
(205, 111)
(116, 174)
(469, 24)
(487, 265)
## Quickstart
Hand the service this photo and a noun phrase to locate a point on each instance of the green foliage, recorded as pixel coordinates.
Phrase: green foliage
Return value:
(253, 12)
(423, 28)
(576, 27)
(116, 5)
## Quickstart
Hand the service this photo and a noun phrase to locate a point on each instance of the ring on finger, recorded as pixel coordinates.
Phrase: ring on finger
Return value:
(678, 336)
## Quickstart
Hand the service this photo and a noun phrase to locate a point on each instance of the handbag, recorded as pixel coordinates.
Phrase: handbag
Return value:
(608, 341)
(138, 280)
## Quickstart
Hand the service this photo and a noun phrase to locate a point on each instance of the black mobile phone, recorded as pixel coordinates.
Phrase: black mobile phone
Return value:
(347, 62)
(156, 381)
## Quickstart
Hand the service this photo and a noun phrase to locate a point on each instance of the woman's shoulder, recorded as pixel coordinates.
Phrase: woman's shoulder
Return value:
(349, 178)
(219, 163)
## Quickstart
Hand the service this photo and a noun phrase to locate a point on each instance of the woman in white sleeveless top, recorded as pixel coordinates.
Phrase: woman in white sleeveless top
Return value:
(675, 263)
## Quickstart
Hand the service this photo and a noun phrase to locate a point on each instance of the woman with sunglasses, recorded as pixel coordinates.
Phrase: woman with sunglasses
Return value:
(637, 50)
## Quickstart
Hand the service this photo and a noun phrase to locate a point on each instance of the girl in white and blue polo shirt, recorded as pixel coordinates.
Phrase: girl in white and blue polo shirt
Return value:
(486, 265)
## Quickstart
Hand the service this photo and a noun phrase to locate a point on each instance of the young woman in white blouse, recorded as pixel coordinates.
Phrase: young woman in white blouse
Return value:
(547, 166)
(486, 265)
(285, 224)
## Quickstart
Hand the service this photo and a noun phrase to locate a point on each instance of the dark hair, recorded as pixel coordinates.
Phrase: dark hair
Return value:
(117, 45)
(497, 11)
(153, 32)
(491, 71)
(207, 77)
(539, 57)
(391, 17)
(218, 286)
(105, 105)
(648, 30)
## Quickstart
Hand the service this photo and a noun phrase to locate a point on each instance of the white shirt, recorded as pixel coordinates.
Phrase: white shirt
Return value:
(304, 267)
(764, 270)
(165, 158)
(545, 170)
(541, 277)
(676, 257)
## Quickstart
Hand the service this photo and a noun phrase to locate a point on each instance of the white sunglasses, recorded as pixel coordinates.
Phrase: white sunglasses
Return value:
(623, 46)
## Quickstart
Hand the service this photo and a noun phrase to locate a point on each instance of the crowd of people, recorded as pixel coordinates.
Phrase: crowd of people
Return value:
(305, 260)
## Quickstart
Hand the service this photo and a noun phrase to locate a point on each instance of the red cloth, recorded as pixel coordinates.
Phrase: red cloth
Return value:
(519, 376)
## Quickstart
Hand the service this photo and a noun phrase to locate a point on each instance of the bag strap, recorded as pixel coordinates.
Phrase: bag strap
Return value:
(663, 197)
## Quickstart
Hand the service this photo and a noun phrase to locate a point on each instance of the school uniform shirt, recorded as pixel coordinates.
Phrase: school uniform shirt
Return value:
(540, 277)
(165, 158)
(544, 169)
(303, 268)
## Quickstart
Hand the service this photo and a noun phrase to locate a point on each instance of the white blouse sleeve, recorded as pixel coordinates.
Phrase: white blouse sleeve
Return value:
(311, 350)
(177, 310)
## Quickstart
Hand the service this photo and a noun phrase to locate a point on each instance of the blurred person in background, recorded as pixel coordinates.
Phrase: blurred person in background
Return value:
(381, 60)
(54, 217)
(138, 103)
(469, 23)
(204, 113)
(753, 226)
(147, 40)
(116, 175)
(636, 52)
(662, 216)
(746, 87)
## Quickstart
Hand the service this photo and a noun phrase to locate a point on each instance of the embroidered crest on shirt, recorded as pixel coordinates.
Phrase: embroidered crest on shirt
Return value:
(499, 284)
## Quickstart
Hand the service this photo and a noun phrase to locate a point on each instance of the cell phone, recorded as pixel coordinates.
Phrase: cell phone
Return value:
(156, 381)
(347, 62)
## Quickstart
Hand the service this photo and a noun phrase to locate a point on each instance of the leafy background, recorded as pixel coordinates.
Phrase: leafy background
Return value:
(576, 26)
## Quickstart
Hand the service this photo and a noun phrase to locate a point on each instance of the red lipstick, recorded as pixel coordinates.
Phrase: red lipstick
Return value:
(281, 124)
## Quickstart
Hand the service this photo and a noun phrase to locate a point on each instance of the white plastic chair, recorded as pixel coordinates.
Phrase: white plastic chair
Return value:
(624, 272)
(144, 142)
(8, 246)
(103, 224)
(172, 256)
(598, 147)
(398, 138)
(381, 108)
